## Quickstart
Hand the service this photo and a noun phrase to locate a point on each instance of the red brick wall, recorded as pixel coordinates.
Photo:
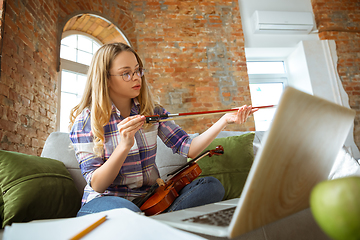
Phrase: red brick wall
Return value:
(194, 52)
(28, 75)
(340, 21)
(2, 12)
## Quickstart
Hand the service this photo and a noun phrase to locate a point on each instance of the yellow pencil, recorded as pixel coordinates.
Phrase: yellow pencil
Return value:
(89, 229)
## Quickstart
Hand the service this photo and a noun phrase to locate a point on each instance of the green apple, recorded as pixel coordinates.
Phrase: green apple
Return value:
(335, 205)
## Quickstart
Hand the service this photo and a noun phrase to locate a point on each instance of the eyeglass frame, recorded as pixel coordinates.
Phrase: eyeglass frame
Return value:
(139, 71)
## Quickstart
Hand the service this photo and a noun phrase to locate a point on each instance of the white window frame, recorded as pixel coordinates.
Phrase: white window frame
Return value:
(269, 78)
(72, 67)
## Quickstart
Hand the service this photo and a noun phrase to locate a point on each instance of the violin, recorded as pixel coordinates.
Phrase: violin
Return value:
(177, 116)
(163, 194)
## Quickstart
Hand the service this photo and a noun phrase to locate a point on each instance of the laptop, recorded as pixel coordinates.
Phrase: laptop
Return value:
(298, 152)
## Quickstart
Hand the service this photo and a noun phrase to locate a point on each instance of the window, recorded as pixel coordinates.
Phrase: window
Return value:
(76, 53)
(267, 82)
(78, 48)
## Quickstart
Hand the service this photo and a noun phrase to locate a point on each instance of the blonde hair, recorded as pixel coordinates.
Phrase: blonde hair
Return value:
(96, 93)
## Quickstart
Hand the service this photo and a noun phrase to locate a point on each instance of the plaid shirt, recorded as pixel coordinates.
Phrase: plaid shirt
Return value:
(139, 170)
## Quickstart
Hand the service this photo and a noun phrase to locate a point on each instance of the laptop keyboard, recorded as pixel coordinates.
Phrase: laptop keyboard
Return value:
(220, 218)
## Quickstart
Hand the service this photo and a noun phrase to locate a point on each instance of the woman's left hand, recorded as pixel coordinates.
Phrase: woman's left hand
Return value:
(200, 142)
(241, 115)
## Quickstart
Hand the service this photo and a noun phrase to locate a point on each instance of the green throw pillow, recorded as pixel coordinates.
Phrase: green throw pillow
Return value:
(35, 188)
(232, 167)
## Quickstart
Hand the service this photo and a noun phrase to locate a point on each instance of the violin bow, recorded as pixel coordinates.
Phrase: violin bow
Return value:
(177, 116)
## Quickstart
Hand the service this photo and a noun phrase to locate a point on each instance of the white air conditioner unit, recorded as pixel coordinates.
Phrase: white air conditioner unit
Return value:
(282, 22)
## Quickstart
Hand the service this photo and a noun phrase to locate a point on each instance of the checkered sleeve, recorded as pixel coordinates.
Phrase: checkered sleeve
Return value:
(82, 140)
(173, 136)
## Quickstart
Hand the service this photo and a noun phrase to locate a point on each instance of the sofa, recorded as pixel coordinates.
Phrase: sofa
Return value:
(297, 226)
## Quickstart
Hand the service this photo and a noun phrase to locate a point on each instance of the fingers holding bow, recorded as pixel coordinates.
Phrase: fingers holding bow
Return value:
(129, 126)
(241, 115)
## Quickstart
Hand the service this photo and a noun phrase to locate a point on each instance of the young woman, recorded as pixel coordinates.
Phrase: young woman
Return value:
(115, 148)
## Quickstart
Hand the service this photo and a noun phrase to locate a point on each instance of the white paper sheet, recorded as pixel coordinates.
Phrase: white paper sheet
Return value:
(344, 166)
(120, 224)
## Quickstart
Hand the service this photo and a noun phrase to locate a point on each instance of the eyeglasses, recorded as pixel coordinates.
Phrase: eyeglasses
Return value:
(127, 76)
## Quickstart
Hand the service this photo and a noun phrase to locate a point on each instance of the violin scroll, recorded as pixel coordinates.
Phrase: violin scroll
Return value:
(219, 150)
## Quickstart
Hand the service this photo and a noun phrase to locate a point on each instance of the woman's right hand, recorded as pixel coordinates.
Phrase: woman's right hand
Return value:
(106, 173)
(128, 127)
